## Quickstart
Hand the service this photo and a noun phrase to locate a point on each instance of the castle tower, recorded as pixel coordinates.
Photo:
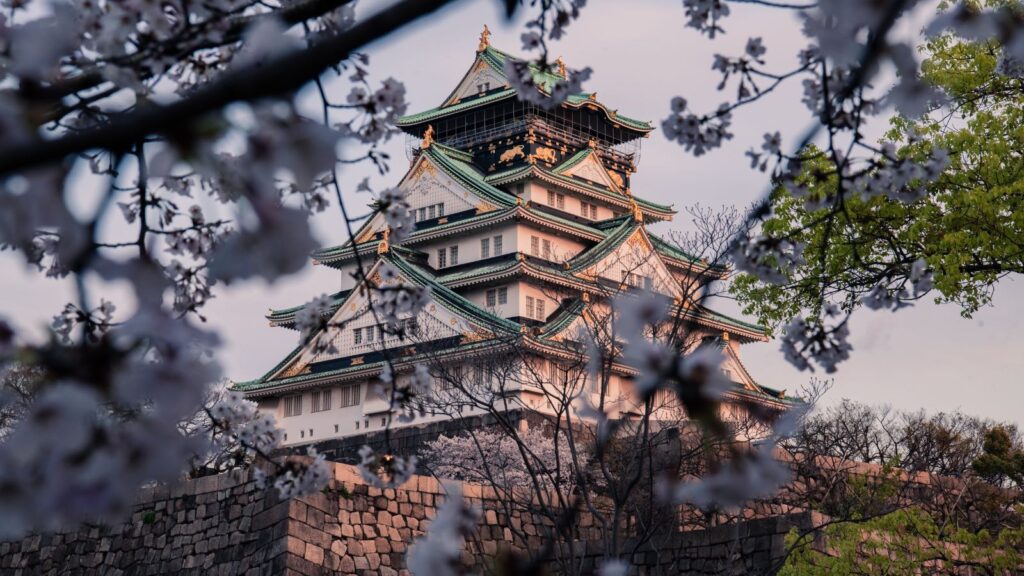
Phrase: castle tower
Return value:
(526, 226)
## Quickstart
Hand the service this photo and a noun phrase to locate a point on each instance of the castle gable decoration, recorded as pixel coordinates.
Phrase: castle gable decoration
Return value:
(589, 167)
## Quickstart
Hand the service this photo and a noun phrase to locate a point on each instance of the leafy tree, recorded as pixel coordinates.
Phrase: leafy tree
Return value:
(1002, 460)
(903, 542)
(967, 227)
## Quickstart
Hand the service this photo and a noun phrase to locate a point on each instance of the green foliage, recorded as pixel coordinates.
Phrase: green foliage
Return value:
(902, 542)
(1001, 460)
(969, 228)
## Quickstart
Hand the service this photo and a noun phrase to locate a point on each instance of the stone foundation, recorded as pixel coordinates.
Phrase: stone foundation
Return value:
(223, 525)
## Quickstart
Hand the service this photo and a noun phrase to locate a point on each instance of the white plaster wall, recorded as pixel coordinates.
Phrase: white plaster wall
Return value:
(478, 296)
(538, 194)
(311, 427)
(562, 248)
(469, 244)
(548, 295)
(322, 424)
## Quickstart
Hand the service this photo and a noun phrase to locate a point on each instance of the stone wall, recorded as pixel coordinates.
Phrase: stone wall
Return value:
(216, 525)
(224, 525)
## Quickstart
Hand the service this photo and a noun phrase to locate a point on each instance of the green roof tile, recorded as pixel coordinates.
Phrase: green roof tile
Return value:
(545, 79)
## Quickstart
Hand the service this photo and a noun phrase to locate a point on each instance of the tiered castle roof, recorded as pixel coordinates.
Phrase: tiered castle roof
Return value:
(518, 143)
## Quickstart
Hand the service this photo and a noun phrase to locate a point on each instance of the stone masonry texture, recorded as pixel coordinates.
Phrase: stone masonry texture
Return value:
(224, 525)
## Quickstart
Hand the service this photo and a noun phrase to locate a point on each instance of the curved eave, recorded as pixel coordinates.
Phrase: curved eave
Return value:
(583, 101)
(420, 118)
(338, 256)
(611, 241)
(415, 121)
(745, 331)
(285, 317)
(651, 211)
(262, 388)
(448, 159)
(451, 300)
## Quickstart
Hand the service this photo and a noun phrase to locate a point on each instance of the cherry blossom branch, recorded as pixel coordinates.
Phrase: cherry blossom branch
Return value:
(278, 75)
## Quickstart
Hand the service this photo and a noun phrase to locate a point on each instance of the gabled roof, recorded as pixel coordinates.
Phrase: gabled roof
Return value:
(753, 388)
(613, 239)
(495, 60)
(563, 318)
(457, 164)
(286, 316)
(443, 295)
(587, 158)
(403, 261)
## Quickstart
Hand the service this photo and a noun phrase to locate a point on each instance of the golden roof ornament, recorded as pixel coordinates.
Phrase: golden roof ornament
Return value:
(593, 96)
(586, 296)
(638, 214)
(383, 247)
(428, 137)
(592, 143)
(485, 39)
(561, 68)
(725, 336)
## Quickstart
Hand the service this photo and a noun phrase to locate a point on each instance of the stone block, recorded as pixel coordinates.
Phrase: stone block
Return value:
(338, 547)
(314, 554)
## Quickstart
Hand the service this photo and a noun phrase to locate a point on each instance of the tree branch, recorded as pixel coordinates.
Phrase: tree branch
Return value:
(278, 75)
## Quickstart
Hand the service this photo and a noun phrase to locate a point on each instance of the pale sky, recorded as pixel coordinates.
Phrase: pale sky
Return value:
(642, 55)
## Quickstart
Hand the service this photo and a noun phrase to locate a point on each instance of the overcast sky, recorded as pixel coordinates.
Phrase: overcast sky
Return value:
(642, 55)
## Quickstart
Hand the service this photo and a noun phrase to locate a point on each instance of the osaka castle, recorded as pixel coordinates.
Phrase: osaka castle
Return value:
(526, 228)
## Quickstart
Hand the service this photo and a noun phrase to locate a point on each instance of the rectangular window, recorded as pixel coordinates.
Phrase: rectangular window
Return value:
(593, 212)
(547, 249)
(551, 198)
(369, 333)
(293, 405)
(440, 209)
(431, 211)
(497, 246)
(321, 400)
(411, 326)
(560, 201)
(485, 248)
(520, 188)
(492, 298)
(453, 252)
(584, 207)
(540, 310)
(357, 336)
(648, 283)
(529, 306)
(534, 245)
(422, 214)
(442, 255)
(349, 396)
(503, 295)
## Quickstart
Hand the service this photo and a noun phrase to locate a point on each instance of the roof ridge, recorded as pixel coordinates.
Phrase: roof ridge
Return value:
(470, 176)
(447, 295)
(613, 240)
(563, 317)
